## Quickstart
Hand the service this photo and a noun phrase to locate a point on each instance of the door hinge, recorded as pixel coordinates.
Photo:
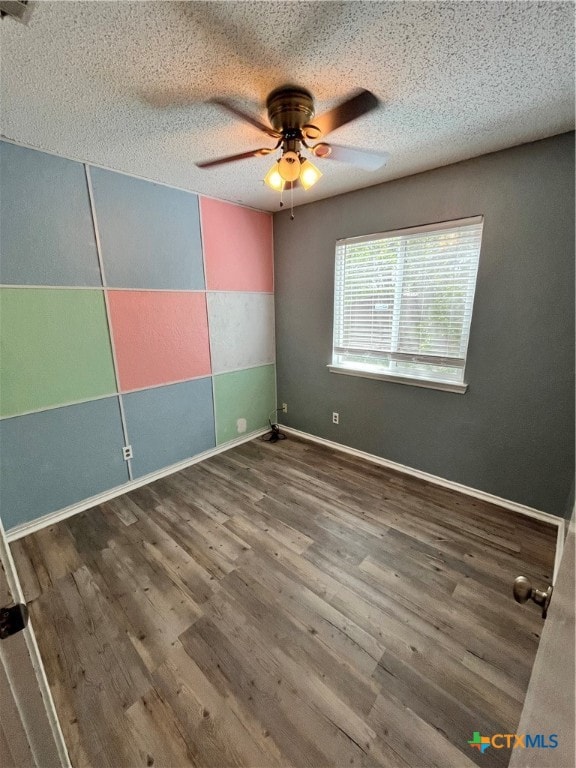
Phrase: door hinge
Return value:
(13, 620)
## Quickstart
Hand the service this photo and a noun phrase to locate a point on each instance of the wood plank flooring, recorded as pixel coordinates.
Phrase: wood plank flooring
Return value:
(286, 605)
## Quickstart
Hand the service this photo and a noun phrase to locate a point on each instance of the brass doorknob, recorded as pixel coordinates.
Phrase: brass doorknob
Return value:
(524, 591)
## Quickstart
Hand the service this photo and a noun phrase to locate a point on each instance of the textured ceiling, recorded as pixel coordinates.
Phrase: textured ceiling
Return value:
(90, 80)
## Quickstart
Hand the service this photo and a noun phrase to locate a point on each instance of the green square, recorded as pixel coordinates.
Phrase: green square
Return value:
(243, 396)
(54, 348)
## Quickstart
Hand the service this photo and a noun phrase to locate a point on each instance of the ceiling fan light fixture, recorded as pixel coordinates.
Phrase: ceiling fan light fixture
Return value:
(273, 179)
(309, 174)
(290, 112)
(289, 166)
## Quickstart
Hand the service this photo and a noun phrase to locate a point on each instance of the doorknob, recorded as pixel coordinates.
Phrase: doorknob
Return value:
(524, 591)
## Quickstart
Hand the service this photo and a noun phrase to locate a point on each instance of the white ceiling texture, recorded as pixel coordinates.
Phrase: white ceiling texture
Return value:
(125, 85)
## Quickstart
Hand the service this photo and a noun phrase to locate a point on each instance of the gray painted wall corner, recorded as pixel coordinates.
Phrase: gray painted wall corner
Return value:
(512, 434)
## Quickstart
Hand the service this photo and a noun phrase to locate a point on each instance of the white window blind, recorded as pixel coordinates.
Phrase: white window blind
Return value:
(403, 300)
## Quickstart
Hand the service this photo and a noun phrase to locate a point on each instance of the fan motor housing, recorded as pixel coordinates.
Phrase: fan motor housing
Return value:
(289, 108)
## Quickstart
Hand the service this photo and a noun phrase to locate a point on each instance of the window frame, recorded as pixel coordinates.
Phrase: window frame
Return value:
(426, 381)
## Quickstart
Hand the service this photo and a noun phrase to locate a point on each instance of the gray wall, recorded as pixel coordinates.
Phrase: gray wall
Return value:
(512, 433)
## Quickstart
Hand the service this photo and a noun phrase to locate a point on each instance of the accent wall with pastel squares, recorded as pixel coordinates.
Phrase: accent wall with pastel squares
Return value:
(131, 314)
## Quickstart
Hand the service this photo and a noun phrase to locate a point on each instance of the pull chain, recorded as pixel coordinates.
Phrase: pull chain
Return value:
(291, 201)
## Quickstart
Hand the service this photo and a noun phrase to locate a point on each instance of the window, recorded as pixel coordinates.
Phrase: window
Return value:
(403, 303)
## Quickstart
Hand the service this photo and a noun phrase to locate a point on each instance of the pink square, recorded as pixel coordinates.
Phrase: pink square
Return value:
(159, 336)
(237, 246)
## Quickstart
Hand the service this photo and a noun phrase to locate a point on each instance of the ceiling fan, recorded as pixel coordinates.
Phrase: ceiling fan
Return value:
(293, 125)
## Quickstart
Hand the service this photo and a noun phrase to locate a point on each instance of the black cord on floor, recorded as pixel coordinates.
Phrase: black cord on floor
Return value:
(274, 435)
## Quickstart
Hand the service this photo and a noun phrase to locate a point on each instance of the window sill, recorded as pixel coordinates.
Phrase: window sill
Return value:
(444, 386)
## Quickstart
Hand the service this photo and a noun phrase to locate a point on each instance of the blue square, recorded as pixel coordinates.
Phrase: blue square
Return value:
(58, 457)
(169, 424)
(47, 234)
(149, 233)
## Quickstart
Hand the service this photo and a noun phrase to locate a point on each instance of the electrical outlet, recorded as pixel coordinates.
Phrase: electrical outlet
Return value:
(127, 452)
(284, 407)
(335, 418)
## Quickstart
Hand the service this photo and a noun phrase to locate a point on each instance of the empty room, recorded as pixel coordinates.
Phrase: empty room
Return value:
(287, 423)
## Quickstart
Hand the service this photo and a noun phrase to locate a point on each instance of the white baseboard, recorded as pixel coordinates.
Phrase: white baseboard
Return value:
(24, 529)
(514, 506)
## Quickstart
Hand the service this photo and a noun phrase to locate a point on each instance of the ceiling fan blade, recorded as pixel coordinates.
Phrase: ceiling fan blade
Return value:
(354, 107)
(247, 118)
(233, 158)
(362, 158)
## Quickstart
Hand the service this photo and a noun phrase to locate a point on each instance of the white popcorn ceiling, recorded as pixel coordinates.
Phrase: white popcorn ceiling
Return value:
(88, 80)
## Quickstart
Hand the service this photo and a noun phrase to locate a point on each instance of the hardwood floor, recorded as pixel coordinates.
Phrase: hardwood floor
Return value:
(286, 605)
